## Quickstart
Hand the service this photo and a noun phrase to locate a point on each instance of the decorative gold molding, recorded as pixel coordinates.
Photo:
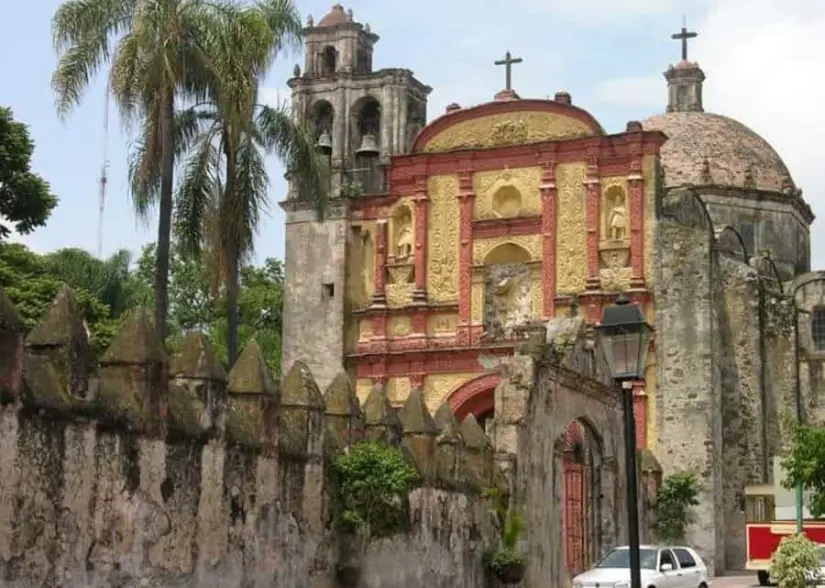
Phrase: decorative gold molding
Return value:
(571, 237)
(507, 129)
(526, 180)
(442, 239)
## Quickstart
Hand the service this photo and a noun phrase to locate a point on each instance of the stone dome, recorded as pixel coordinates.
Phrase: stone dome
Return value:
(336, 15)
(736, 156)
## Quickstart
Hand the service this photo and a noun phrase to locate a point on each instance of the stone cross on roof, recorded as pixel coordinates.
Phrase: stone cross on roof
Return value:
(508, 62)
(683, 36)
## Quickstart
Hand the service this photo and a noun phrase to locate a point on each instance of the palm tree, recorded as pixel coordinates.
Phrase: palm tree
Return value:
(223, 190)
(155, 54)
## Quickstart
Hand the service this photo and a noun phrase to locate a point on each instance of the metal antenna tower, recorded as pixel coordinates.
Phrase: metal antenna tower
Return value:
(104, 170)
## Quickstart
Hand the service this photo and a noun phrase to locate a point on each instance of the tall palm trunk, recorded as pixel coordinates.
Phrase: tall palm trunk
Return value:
(232, 253)
(167, 154)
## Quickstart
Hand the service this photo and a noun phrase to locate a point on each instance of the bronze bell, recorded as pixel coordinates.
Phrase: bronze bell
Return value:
(324, 144)
(368, 147)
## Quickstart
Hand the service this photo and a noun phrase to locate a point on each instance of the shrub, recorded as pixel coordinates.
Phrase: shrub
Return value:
(373, 482)
(678, 494)
(796, 562)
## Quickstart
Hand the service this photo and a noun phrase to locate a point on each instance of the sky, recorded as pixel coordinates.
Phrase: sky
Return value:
(760, 58)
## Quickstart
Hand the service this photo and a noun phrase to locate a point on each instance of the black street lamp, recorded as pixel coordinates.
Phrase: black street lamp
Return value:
(624, 334)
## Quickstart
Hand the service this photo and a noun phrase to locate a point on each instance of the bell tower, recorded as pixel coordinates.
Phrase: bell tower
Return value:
(360, 117)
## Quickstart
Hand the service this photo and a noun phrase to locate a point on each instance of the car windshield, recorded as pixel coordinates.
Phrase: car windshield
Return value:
(620, 558)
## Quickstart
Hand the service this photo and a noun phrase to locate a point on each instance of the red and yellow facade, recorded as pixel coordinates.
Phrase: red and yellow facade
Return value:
(531, 182)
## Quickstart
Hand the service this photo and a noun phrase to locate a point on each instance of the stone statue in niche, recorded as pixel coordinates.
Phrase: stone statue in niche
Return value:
(508, 299)
(404, 243)
(402, 233)
(616, 215)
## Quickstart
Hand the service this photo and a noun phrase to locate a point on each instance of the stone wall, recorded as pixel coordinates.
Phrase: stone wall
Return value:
(150, 471)
(725, 345)
(560, 377)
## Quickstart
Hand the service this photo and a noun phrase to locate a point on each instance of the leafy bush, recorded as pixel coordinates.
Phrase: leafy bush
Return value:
(678, 494)
(373, 482)
(796, 562)
(510, 525)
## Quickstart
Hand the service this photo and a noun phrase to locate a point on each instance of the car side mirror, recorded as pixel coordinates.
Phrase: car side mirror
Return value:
(666, 567)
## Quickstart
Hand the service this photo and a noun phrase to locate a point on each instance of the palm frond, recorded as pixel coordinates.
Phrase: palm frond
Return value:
(293, 142)
(284, 21)
(195, 194)
(243, 210)
(145, 164)
(82, 31)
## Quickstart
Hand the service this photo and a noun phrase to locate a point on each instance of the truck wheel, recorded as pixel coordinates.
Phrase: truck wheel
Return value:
(764, 578)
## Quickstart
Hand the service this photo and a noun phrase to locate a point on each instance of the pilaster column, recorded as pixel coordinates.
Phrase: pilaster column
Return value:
(640, 413)
(466, 196)
(548, 239)
(422, 211)
(635, 184)
(591, 214)
(379, 298)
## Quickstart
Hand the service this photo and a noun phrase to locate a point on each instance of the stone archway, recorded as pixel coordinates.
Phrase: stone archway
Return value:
(476, 397)
(579, 456)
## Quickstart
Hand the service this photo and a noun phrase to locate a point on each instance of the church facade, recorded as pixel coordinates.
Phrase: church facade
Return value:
(445, 240)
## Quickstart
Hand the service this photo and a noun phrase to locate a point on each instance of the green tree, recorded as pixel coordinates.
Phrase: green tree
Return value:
(32, 281)
(195, 306)
(805, 465)
(25, 198)
(224, 186)
(156, 55)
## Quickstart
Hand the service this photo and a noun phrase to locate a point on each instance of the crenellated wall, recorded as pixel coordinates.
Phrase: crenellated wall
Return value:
(146, 470)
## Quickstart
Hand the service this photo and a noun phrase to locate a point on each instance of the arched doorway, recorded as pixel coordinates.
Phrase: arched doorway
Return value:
(476, 397)
(580, 462)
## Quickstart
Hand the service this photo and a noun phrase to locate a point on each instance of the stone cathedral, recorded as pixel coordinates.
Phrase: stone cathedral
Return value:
(447, 235)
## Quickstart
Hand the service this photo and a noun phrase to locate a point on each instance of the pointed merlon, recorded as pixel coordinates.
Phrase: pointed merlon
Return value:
(340, 397)
(445, 417)
(474, 436)
(414, 416)
(300, 389)
(197, 360)
(250, 374)
(135, 342)
(63, 322)
(378, 410)
(10, 318)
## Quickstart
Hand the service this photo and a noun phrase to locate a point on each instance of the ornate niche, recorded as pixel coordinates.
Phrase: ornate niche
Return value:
(614, 246)
(507, 193)
(507, 275)
(401, 258)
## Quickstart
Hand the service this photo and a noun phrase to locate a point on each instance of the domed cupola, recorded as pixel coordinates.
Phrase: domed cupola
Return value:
(740, 177)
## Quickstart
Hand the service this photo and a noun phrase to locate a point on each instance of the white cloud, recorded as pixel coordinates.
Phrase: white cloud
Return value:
(762, 59)
(638, 92)
(601, 11)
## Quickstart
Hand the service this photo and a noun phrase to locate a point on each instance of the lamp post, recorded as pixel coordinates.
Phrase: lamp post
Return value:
(625, 334)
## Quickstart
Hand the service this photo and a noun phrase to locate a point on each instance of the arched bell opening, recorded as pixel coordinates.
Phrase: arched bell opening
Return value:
(322, 117)
(329, 60)
(366, 145)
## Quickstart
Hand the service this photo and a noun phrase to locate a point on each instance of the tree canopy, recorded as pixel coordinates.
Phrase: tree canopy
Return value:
(26, 200)
(805, 465)
(108, 289)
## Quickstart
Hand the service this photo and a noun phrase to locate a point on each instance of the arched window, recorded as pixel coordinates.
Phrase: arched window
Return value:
(818, 328)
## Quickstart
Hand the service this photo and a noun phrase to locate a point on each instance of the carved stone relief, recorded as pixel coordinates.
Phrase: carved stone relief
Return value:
(508, 297)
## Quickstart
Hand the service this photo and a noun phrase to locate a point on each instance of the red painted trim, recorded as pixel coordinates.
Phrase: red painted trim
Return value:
(432, 362)
(380, 261)
(445, 121)
(422, 207)
(465, 251)
(501, 227)
(549, 221)
(475, 397)
(640, 413)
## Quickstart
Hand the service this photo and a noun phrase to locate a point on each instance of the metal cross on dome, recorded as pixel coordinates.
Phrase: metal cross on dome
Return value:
(508, 62)
(683, 36)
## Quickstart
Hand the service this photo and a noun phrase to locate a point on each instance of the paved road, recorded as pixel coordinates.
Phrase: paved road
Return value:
(742, 580)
